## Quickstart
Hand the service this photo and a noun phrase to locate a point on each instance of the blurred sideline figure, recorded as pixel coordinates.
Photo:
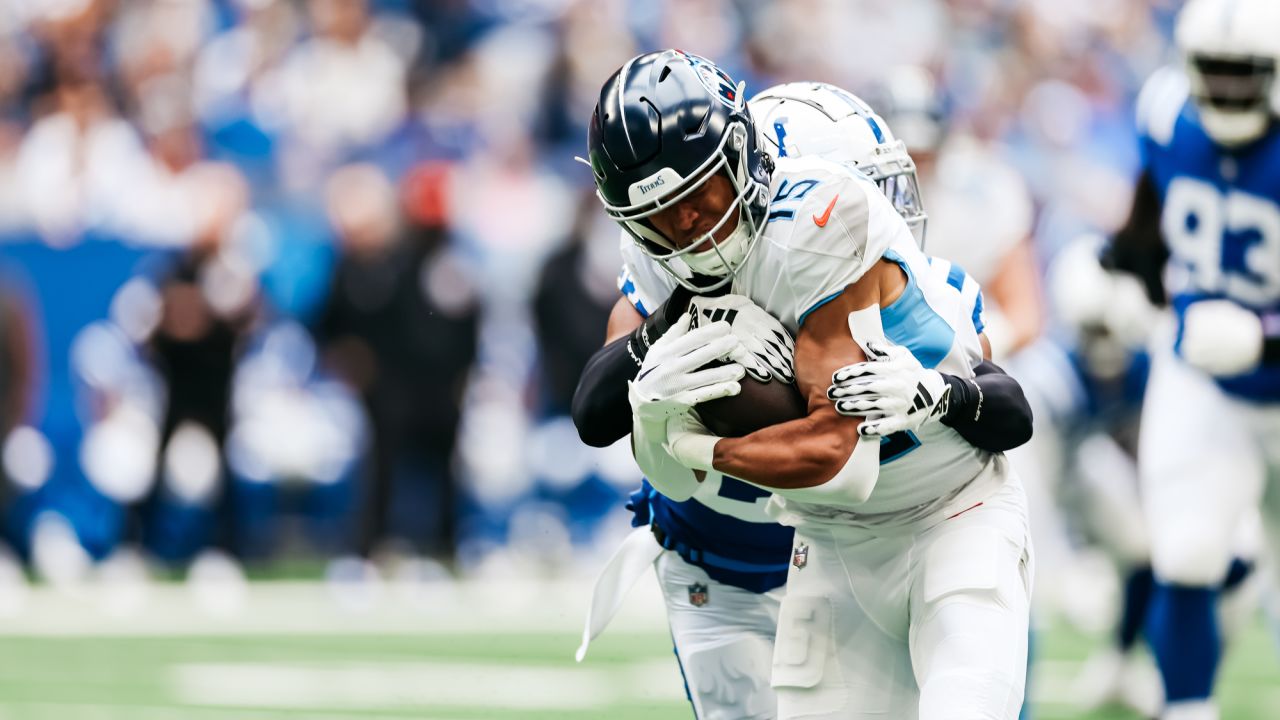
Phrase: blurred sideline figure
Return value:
(572, 298)
(207, 302)
(401, 327)
(1203, 236)
(571, 303)
(15, 378)
(715, 583)
(15, 364)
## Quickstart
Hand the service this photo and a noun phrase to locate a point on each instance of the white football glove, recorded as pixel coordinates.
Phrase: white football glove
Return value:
(1221, 337)
(672, 379)
(769, 348)
(892, 391)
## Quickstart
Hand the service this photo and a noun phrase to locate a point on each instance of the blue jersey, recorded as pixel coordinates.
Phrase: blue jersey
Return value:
(738, 552)
(1219, 215)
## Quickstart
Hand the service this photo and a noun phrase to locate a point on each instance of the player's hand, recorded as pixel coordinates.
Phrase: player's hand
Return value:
(1221, 337)
(892, 391)
(769, 348)
(673, 377)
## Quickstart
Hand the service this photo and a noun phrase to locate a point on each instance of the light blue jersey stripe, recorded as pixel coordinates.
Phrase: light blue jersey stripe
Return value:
(912, 323)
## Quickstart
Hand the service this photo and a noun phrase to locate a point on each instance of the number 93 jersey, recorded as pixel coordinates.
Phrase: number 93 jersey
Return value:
(1219, 216)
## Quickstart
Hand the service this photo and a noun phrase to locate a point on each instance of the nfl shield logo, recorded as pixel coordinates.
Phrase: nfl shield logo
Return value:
(800, 557)
(698, 595)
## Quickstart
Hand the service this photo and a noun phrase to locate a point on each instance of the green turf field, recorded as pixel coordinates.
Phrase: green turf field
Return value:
(438, 665)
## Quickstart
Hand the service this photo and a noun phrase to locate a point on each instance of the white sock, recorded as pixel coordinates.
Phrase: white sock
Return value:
(1190, 710)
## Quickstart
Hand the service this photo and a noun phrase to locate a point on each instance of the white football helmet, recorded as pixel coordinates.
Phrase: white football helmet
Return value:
(1232, 48)
(807, 118)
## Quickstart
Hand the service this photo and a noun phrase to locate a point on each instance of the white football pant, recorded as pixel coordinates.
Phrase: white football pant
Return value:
(924, 622)
(724, 644)
(1206, 461)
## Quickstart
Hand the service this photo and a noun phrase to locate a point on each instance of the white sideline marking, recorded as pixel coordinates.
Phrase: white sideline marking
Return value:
(421, 684)
(121, 711)
(311, 608)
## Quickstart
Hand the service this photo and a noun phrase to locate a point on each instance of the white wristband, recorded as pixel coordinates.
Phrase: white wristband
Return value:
(693, 450)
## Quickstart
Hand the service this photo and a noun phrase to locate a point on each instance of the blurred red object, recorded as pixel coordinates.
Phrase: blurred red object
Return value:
(424, 193)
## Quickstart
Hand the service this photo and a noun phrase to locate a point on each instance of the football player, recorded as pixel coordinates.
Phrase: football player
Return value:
(1204, 236)
(722, 599)
(674, 152)
(1094, 429)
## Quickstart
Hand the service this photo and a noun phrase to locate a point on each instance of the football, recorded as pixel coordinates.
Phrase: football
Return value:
(759, 405)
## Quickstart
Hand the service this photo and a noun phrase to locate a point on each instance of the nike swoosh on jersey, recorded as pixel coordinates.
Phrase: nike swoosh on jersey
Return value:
(821, 220)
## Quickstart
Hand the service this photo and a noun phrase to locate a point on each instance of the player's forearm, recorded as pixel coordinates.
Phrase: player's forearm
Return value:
(600, 409)
(1138, 248)
(990, 411)
(797, 454)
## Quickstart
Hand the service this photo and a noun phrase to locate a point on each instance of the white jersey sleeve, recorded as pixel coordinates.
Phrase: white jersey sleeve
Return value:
(641, 280)
(971, 301)
(839, 233)
(1161, 101)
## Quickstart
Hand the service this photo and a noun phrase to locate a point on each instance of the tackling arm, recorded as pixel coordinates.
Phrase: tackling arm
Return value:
(602, 406)
(600, 409)
(990, 411)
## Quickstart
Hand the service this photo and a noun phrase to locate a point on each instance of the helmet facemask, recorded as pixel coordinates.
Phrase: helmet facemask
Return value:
(898, 181)
(1233, 95)
(704, 264)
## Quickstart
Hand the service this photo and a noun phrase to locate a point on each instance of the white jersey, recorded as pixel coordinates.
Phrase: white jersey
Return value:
(827, 226)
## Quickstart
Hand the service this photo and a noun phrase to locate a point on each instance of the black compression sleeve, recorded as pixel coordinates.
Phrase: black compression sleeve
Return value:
(600, 408)
(1138, 247)
(990, 411)
(658, 322)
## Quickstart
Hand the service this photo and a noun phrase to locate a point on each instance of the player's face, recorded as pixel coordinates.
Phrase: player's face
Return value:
(697, 213)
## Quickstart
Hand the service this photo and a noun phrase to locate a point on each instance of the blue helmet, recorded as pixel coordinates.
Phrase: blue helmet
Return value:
(666, 122)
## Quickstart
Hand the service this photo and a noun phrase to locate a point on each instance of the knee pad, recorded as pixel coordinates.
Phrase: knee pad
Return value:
(979, 565)
(731, 680)
(970, 643)
(970, 694)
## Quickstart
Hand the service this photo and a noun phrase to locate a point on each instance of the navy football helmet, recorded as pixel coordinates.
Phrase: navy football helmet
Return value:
(664, 124)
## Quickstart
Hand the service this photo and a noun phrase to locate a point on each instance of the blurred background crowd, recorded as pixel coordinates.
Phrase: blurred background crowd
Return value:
(315, 279)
